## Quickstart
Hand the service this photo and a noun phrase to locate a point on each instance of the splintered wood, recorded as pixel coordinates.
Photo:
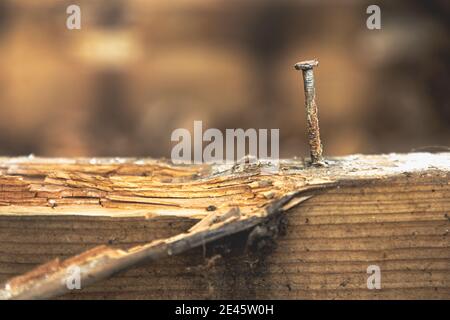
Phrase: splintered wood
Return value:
(172, 231)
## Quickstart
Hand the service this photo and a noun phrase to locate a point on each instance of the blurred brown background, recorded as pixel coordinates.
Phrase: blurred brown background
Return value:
(139, 69)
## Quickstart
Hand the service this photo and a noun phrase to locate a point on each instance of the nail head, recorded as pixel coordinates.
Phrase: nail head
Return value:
(306, 65)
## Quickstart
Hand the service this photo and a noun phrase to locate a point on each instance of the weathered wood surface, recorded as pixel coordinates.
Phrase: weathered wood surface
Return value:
(388, 210)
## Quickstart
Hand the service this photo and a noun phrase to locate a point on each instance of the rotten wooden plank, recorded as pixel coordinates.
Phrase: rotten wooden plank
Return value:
(385, 195)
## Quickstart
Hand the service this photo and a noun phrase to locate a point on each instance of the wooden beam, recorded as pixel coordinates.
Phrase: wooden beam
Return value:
(204, 228)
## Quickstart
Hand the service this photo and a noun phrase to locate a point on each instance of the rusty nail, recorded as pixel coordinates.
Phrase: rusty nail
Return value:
(311, 110)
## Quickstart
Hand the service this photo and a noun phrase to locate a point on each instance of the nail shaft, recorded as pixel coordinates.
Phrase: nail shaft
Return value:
(312, 119)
